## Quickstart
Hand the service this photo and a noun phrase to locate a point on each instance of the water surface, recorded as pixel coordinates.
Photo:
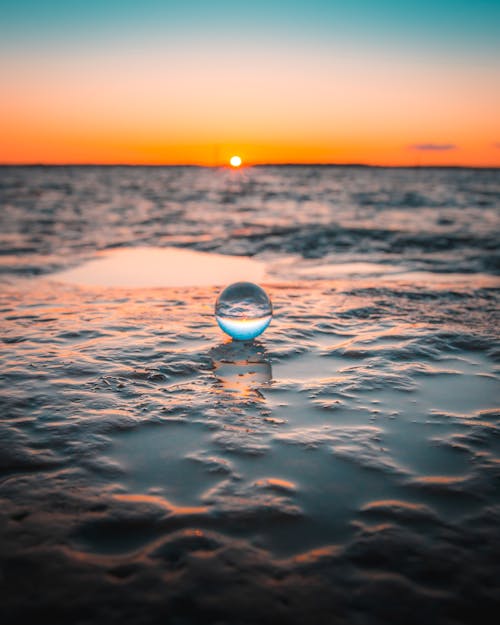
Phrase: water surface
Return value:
(153, 471)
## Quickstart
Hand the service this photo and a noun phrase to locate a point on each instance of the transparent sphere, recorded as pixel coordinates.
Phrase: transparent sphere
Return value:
(243, 310)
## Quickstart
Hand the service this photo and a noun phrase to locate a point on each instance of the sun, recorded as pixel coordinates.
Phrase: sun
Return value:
(235, 161)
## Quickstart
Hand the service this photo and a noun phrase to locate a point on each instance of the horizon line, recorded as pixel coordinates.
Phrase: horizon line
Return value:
(247, 165)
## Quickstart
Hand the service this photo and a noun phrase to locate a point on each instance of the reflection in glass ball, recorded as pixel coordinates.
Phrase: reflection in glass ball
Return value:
(243, 310)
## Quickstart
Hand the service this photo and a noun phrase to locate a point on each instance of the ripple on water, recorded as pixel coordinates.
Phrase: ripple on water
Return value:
(357, 456)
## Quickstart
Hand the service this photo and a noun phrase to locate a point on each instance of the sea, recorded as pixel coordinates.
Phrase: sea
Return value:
(341, 468)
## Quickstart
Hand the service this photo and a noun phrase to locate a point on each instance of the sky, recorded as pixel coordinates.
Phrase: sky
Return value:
(380, 82)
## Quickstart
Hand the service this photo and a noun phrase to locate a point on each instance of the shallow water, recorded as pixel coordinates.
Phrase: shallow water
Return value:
(159, 267)
(347, 457)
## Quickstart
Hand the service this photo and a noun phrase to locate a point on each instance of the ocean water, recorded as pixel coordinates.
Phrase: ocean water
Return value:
(342, 468)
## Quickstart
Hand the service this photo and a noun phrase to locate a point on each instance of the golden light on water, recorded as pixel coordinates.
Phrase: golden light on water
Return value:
(235, 161)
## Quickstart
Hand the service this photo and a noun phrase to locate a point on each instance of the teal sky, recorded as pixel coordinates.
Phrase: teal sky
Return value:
(446, 26)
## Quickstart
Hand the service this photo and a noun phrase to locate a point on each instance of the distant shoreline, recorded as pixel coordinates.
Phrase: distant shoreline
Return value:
(224, 166)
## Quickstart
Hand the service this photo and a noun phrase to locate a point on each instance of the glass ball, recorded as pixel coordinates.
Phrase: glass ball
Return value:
(243, 310)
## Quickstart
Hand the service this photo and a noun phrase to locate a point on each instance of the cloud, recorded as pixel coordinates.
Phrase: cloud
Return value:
(497, 145)
(433, 146)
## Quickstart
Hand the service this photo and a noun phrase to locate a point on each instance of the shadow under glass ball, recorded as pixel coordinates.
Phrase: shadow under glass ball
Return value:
(243, 311)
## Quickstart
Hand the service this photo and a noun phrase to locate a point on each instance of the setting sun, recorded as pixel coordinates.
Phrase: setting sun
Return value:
(235, 161)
